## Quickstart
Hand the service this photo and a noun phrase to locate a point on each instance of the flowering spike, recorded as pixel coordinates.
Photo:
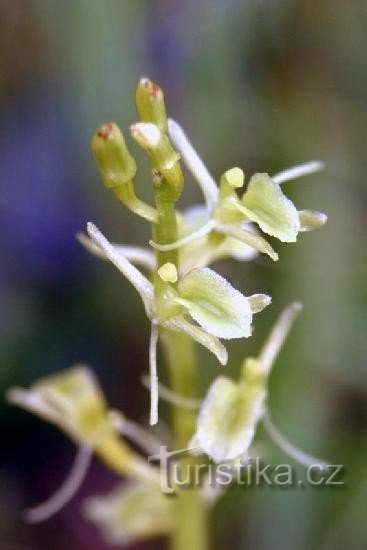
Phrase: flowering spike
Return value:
(150, 105)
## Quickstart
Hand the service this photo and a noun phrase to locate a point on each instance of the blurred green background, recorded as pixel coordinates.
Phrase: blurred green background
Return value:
(259, 84)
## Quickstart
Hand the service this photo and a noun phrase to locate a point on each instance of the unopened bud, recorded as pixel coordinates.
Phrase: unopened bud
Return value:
(150, 105)
(113, 159)
(163, 156)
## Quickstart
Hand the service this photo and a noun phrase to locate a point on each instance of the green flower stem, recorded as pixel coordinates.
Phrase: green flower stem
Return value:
(191, 527)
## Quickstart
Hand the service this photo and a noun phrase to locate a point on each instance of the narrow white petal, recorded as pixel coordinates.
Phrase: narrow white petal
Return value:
(201, 232)
(278, 335)
(135, 254)
(291, 450)
(153, 374)
(298, 171)
(172, 397)
(133, 275)
(193, 163)
(76, 476)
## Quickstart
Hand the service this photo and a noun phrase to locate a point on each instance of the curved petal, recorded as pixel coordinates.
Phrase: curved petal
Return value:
(199, 335)
(213, 303)
(264, 203)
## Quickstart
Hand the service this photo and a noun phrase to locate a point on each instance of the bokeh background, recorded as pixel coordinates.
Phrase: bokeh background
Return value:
(256, 83)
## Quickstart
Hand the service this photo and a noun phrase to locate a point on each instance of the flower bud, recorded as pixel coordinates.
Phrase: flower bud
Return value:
(113, 159)
(150, 105)
(163, 156)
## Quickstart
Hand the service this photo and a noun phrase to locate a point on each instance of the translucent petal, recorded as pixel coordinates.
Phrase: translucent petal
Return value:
(310, 219)
(130, 513)
(228, 418)
(265, 204)
(250, 238)
(199, 335)
(193, 163)
(213, 303)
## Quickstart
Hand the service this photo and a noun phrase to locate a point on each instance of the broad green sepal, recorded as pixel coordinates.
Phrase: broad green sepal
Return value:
(265, 203)
(214, 304)
(131, 513)
(228, 417)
